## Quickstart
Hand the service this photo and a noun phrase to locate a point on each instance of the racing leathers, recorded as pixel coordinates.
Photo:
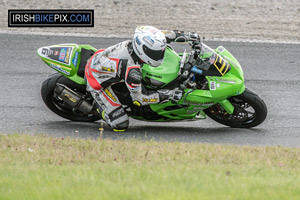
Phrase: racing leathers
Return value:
(113, 65)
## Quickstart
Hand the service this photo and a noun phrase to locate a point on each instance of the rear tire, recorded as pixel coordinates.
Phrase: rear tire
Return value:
(241, 117)
(58, 106)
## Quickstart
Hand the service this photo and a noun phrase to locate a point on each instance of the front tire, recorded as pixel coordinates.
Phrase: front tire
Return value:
(59, 107)
(249, 111)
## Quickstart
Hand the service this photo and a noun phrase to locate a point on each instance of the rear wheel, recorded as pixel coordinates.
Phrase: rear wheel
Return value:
(249, 111)
(58, 106)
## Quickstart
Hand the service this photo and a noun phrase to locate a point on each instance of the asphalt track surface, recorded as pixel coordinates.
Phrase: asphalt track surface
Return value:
(271, 70)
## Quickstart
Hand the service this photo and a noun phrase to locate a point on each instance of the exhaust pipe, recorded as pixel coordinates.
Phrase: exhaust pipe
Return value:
(73, 99)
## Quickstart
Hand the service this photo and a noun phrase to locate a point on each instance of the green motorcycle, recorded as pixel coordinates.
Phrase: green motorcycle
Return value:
(212, 80)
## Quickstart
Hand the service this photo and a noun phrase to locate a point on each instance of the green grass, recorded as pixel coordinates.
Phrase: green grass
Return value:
(41, 167)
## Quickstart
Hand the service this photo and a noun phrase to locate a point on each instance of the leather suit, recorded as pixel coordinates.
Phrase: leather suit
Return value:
(113, 65)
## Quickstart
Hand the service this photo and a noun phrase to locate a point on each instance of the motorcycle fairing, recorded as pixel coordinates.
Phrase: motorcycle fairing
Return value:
(158, 77)
(219, 89)
(67, 59)
(60, 54)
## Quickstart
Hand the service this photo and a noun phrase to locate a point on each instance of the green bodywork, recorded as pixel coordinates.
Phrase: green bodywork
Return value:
(70, 68)
(193, 102)
(166, 72)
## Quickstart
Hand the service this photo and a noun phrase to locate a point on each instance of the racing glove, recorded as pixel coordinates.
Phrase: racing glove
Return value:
(165, 95)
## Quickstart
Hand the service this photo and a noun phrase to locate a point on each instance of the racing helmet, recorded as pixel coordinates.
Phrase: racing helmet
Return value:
(149, 45)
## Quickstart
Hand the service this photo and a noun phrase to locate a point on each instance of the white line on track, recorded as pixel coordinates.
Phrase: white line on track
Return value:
(128, 36)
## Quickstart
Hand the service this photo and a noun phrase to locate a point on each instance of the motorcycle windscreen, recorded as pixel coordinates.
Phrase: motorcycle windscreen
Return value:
(213, 65)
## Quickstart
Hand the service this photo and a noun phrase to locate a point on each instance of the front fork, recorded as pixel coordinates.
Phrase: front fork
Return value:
(227, 106)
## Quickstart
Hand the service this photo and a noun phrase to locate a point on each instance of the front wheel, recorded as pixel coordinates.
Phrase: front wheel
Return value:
(249, 111)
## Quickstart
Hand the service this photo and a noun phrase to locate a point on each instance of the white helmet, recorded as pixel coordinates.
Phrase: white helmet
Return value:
(149, 44)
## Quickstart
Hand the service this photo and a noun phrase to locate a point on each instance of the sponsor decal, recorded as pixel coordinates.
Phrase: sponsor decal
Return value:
(58, 68)
(213, 85)
(138, 41)
(199, 103)
(141, 27)
(150, 29)
(62, 54)
(70, 98)
(68, 55)
(227, 81)
(150, 100)
(221, 65)
(148, 40)
(153, 75)
(118, 113)
(107, 69)
(75, 59)
(47, 52)
(110, 95)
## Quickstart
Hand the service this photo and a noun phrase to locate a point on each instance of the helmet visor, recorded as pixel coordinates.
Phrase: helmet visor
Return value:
(154, 54)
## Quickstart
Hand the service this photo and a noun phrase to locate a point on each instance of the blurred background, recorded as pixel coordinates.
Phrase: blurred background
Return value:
(277, 20)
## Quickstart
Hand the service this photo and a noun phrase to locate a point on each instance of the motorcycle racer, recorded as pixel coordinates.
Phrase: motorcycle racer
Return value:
(122, 63)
